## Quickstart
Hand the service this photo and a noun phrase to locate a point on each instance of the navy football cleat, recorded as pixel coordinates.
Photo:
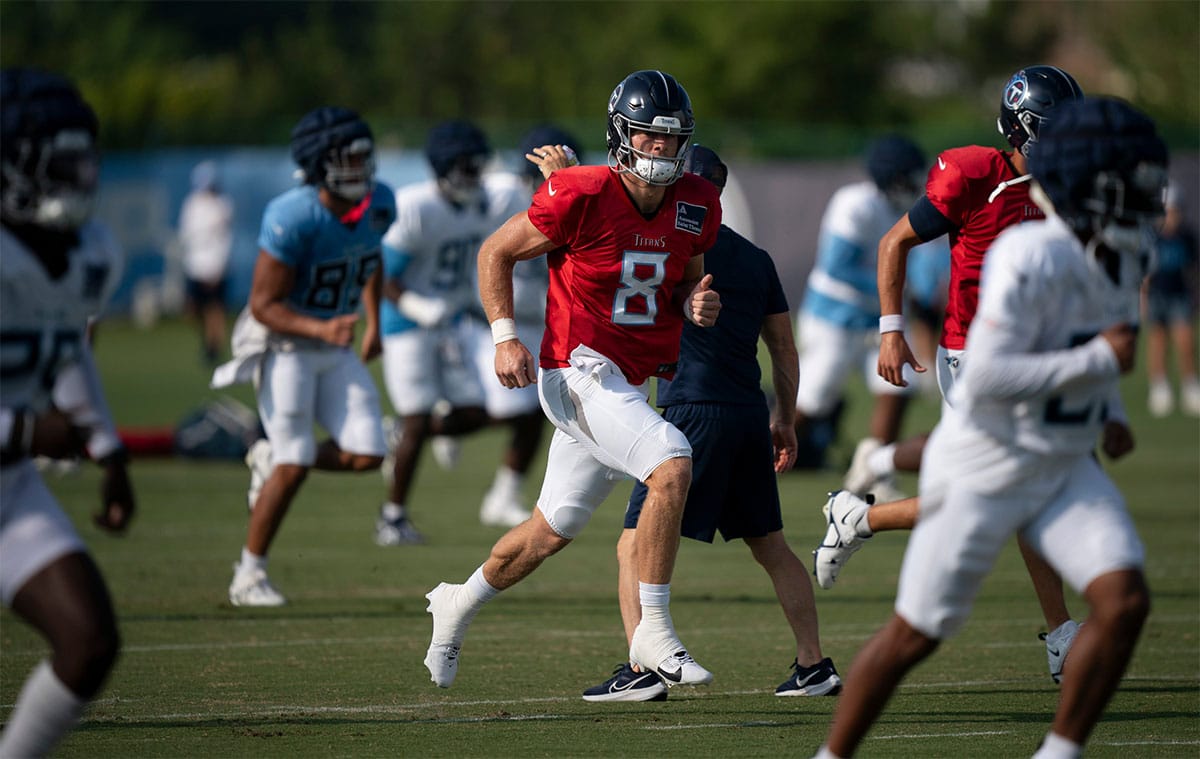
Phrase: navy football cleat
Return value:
(628, 685)
(821, 679)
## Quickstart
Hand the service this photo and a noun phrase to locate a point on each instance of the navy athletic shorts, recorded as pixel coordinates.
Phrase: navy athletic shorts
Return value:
(733, 475)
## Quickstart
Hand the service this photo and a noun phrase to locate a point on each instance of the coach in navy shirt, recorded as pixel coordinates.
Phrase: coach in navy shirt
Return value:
(738, 444)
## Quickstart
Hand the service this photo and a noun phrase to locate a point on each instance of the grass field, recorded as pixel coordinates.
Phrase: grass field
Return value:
(338, 672)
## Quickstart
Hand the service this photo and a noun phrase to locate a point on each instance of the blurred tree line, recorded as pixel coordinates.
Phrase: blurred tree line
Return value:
(767, 79)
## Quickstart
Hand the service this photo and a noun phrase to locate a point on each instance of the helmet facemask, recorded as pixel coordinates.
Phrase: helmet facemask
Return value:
(651, 168)
(462, 183)
(1126, 214)
(904, 191)
(1119, 220)
(52, 184)
(350, 169)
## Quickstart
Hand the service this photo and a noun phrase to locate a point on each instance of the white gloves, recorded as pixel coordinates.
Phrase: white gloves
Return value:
(424, 310)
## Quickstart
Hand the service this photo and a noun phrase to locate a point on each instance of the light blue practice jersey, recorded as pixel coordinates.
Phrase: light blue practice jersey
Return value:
(333, 260)
(842, 286)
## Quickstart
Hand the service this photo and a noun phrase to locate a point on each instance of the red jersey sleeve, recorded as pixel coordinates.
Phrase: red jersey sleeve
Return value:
(948, 188)
(560, 205)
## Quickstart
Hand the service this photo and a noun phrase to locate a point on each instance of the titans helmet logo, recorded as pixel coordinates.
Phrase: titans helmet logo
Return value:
(615, 97)
(1017, 91)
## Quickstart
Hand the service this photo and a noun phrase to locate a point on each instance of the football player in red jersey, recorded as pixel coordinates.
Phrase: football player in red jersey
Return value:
(972, 193)
(625, 244)
(1013, 453)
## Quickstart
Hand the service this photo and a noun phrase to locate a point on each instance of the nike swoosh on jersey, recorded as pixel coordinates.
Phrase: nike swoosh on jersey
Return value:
(941, 164)
(550, 189)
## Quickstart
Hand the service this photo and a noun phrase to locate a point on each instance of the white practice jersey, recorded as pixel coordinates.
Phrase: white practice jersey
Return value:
(1040, 380)
(439, 242)
(42, 320)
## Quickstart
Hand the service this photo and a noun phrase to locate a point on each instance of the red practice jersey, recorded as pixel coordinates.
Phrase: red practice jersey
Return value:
(964, 186)
(614, 273)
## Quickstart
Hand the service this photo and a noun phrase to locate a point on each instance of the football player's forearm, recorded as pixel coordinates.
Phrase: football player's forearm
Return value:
(1019, 376)
(777, 335)
(279, 318)
(495, 283)
(78, 394)
(372, 295)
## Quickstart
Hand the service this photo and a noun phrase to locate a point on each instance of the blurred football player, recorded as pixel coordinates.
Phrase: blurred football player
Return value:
(429, 257)
(545, 149)
(58, 269)
(840, 310)
(625, 244)
(319, 259)
(1013, 452)
(739, 445)
(972, 193)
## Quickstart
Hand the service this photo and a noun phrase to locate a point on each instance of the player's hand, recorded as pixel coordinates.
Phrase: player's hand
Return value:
(894, 353)
(339, 330)
(1117, 439)
(116, 497)
(1122, 338)
(703, 304)
(783, 437)
(550, 158)
(515, 366)
(56, 436)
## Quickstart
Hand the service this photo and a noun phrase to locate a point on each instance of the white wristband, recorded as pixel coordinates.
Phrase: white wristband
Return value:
(891, 323)
(503, 330)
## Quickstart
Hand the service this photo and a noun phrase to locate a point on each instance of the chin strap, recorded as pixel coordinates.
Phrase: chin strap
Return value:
(1008, 183)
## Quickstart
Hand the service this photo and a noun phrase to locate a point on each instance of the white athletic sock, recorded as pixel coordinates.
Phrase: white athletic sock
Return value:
(825, 753)
(251, 561)
(479, 589)
(881, 461)
(508, 481)
(656, 603)
(654, 595)
(393, 511)
(1054, 746)
(46, 709)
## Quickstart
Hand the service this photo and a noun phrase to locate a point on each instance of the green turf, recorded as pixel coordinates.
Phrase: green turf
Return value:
(338, 672)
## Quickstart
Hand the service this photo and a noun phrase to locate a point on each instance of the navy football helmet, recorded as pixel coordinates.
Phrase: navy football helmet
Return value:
(705, 162)
(1028, 97)
(335, 149)
(49, 164)
(649, 101)
(1100, 165)
(458, 151)
(545, 134)
(896, 165)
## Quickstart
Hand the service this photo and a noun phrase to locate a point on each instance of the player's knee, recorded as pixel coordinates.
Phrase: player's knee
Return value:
(361, 463)
(84, 659)
(672, 477)
(1120, 600)
(567, 520)
(290, 475)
